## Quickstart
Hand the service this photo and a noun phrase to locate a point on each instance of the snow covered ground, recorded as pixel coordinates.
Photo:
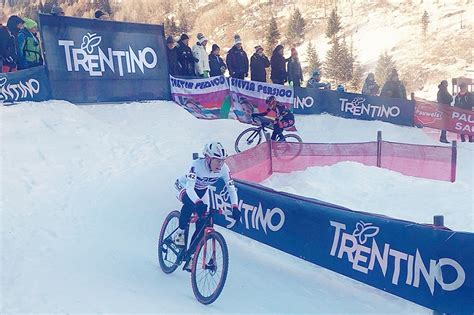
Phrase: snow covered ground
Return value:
(84, 191)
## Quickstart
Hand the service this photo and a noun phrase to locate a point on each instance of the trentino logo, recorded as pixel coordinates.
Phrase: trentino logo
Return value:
(357, 107)
(17, 91)
(95, 60)
(354, 248)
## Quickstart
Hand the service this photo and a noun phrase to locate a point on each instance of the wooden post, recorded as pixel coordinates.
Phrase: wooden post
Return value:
(379, 148)
(454, 157)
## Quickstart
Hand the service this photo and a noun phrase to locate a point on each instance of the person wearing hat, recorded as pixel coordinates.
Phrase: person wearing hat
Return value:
(57, 10)
(8, 53)
(216, 63)
(370, 87)
(278, 66)
(199, 52)
(394, 88)
(464, 100)
(172, 56)
(295, 73)
(443, 97)
(101, 15)
(258, 64)
(237, 60)
(29, 50)
(315, 82)
(186, 59)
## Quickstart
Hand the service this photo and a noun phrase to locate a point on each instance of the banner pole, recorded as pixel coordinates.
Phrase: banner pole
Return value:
(454, 156)
(379, 148)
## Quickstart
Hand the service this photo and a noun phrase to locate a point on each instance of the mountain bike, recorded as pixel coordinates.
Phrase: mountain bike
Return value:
(253, 136)
(210, 260)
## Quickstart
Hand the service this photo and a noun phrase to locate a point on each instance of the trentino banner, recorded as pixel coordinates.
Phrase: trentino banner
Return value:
(431, 267)
(91, 60)
(25, 85)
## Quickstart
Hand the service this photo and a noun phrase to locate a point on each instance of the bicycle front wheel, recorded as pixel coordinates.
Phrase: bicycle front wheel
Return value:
(249, 138)
(288, 149)
(209, 268)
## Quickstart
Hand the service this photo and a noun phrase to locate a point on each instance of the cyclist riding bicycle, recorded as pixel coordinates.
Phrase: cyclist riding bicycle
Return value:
(284, 118)
(191, 188)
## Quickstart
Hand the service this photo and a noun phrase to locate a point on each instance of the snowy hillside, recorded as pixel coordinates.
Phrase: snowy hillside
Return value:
(85, 189)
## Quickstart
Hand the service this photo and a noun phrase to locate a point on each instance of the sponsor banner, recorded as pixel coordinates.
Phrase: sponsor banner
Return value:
(92, 60)
(25, 85)
(431, 267)
(249, 97)
(308, 101)
(204, 98)
(439, 116)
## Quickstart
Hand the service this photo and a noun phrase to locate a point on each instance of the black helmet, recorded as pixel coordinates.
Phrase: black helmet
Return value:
(270, 100)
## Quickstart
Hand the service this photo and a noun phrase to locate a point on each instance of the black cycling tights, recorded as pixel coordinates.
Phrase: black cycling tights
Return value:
(186, 212)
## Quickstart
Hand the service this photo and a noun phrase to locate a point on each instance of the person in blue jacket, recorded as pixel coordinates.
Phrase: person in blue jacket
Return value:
(216, 63)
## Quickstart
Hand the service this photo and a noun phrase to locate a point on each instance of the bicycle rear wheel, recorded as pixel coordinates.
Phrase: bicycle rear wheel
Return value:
(209, 268)
(169, 254)
(249, 138)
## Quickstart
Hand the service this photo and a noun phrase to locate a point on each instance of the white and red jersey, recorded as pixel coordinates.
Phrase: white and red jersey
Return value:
(200, 177)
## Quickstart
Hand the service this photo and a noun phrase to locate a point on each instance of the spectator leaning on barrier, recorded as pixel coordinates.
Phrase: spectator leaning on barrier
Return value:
(443, 97)
(101, 15)
(172, 56)
(278, 66)
(57, 10)
(258, 64)
(315, 82)
(186, 59)
(394, 88)
(199, 52)
(464, 100)
(216, 63)
(7, 50)
(237, 60)
(29, 49)
(14, 24)
(370, 87)
(295, 73)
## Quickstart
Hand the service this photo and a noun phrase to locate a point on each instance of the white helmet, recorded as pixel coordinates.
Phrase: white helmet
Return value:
(215, 150)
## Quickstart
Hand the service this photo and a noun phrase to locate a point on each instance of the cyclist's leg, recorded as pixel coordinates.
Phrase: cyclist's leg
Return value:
(277, 132)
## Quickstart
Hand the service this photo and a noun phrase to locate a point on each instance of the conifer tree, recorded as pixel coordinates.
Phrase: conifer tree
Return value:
(385, 64)
(312, 61)
(334, 25)
(296, 28)
(272, 35)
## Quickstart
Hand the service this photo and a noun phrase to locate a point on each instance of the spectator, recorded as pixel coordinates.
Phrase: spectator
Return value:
(7, 50)
(101, 15)
(394, 88)
(295, 73)
(14, 25)
(370, 87)
(172, 56)
(57, 10)
(443, 97)
(278, 66)
(315, 82)
(29, 50)
(216, 63)
(186, 59)
(199, 52)
(340, 88)
(464, 100)
(237, 60)
(258, 64)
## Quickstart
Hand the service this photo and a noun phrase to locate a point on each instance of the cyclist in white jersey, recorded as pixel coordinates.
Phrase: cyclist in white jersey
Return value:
(191, 188)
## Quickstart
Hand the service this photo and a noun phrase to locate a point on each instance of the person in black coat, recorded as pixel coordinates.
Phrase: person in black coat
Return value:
(443, 97)
(172, 56)
(216, 63)
(186, 59)
(394, 88)
(258, 64)
(14, 25)
(278, 66)
(7, 50)
(464, 100)
(237, 60)
(295, 73)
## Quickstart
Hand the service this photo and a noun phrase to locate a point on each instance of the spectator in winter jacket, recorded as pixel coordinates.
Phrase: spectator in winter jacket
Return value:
(258, 64)
(443, 97)
(278, 66)
(29, 50)
(14, 24)
(216, 63)
(370, 87)
(186, 60)
(295, 73)
(7, 50)
(237, 60)
(464, 100)
(199, 52)
(172, 56)
(315, 82)
(101, 15)
(394, 88)
(57, 10)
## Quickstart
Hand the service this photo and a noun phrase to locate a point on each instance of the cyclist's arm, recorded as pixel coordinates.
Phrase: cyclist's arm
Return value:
(230, 185)
(190, 184)
(263, 113)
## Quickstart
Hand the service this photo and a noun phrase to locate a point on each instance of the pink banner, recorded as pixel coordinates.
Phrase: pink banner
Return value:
(439, 116)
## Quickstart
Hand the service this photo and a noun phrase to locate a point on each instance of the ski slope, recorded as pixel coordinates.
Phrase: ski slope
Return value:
(85, 189)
